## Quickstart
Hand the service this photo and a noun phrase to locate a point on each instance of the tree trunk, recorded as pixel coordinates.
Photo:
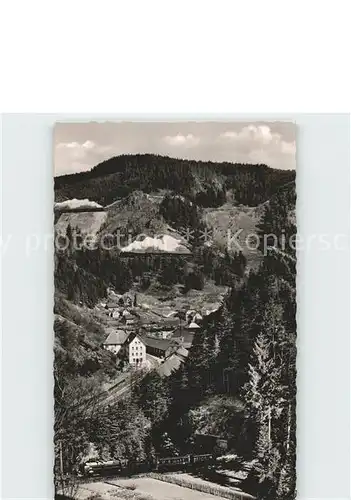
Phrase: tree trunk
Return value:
(269, 427)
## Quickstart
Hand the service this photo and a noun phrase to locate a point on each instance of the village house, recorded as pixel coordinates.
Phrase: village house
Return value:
(166, 334)
(128, 317)
(115, 341)
(115, 314)
(193, 316)
(158, 347)
(125, 316)
(118, 301)
(136, 349)
(171, 364)
(192, 327)
(197, 318)
(129, 343)
(173, 361)
(185, 336)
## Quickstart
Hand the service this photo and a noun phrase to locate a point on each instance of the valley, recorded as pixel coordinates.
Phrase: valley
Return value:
(164, 326)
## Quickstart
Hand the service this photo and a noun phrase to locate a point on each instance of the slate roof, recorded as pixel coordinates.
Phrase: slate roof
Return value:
(171, 364)
(117, 338)
(187, 335)
(162, 344)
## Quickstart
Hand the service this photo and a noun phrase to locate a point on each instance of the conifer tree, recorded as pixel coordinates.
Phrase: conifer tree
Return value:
(267, 398)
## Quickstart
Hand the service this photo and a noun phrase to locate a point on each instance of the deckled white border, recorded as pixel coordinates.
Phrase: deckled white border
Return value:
(323, 290)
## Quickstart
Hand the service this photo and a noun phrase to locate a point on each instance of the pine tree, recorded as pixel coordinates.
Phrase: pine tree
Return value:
(267, 397)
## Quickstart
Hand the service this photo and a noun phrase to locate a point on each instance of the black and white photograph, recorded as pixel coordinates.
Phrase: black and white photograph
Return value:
(175, 310)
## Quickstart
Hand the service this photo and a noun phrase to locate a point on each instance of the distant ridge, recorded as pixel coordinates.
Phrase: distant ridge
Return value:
(205, 183)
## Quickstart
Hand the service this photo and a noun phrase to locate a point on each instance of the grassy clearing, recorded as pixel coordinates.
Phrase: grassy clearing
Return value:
(130, 494)
(209, 298)
(202, 486)
(123, 493)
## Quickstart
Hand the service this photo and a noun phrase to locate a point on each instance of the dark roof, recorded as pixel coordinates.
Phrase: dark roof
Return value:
(132, 336)
(162, 344)
(117, 338)
(188, 335)
(169, 322)
(183, 337)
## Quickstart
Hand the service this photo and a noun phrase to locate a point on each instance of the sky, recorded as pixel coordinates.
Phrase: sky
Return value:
(81, 146)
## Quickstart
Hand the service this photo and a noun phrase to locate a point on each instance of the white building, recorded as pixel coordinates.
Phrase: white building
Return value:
(128, 344)
(136, 350)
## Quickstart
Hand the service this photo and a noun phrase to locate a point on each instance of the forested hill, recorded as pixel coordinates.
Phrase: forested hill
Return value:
(206, 183)
(238, 380)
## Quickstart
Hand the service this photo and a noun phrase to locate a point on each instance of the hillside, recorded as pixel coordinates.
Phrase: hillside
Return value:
(86, 222)
(227, 221)
(203, 182)
(136, 211)
(155, 204)
(78, 338)
(155, 195)
(173, 272)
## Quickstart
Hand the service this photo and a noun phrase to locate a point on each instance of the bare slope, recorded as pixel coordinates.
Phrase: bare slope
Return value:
(232, 226)
(86, 222)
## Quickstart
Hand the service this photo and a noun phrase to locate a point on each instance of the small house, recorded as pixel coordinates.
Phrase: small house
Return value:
(197, 318)
(184, 336)
(122, 342)
(192, 327)
(158, 347)
(115, 314)
(115, 341)
(128, 301)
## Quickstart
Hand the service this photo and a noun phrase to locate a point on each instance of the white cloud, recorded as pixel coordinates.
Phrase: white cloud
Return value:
(79, 156)
(67, 145)
(182, 140)
(257, 133)
(76, 145)
(82, 147)
(257, 143)
(88, 145)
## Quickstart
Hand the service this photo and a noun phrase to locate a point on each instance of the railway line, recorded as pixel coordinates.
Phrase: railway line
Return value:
(159, 464)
